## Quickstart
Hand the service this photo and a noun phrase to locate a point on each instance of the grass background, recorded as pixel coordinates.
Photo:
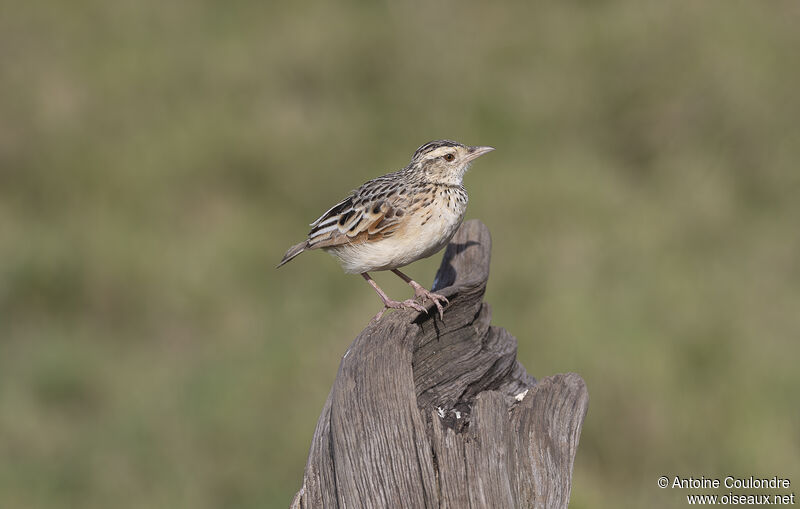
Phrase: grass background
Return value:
(156, 159)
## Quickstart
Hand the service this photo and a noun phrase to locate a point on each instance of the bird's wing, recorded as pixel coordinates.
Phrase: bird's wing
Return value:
(371, 213)
(334, 211)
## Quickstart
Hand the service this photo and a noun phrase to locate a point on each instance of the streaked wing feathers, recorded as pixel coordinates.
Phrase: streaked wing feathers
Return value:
(366, 222)
(333, 211)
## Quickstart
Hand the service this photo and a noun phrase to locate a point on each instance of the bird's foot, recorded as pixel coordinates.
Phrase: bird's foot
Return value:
(423, 293)
(393, 304)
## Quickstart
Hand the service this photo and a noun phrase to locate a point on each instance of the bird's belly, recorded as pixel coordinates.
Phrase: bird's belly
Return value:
(419, 239)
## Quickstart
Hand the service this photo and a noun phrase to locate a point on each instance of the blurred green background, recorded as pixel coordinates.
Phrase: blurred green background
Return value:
(157, 158)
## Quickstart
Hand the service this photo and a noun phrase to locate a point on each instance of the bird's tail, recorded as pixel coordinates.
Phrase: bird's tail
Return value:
(293, 251)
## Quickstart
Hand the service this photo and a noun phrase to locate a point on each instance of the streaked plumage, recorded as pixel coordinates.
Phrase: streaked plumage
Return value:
(398, 218)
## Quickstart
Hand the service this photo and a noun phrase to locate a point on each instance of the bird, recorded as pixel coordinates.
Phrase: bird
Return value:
(398, 218)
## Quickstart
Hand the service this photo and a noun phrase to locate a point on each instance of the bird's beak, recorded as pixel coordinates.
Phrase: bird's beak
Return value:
(475, 152)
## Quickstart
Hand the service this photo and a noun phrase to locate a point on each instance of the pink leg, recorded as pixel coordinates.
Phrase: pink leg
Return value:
(389, 303)
(423, 293)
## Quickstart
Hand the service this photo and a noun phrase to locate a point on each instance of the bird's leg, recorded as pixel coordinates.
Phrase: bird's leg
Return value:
(423, 293)
(389, 303)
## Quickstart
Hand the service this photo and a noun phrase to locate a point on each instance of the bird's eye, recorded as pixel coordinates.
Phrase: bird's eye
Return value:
(449, 157)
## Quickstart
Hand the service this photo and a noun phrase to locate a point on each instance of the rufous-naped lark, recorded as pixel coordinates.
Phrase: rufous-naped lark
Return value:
(397, 219)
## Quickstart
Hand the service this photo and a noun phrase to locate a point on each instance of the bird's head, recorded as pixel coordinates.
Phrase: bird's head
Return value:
(445, 161)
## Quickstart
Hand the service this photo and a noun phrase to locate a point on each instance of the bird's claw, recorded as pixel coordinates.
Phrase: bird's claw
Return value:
(406, 304)
(422, 294)
(413, 304)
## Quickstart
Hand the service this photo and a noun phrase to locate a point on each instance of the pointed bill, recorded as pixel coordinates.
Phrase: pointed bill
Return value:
(476, 152)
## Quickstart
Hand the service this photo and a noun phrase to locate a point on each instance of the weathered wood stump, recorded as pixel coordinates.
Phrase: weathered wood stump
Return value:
(431, 413)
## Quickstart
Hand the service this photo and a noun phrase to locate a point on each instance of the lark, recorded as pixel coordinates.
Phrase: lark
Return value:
(398, 218)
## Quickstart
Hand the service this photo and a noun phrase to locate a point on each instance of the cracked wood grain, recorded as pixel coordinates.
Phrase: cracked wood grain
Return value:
(428, 413)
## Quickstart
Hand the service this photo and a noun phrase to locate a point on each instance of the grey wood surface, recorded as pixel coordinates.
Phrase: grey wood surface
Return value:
(432, 413)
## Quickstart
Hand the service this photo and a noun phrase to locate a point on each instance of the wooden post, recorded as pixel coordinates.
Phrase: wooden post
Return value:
(431, 413)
